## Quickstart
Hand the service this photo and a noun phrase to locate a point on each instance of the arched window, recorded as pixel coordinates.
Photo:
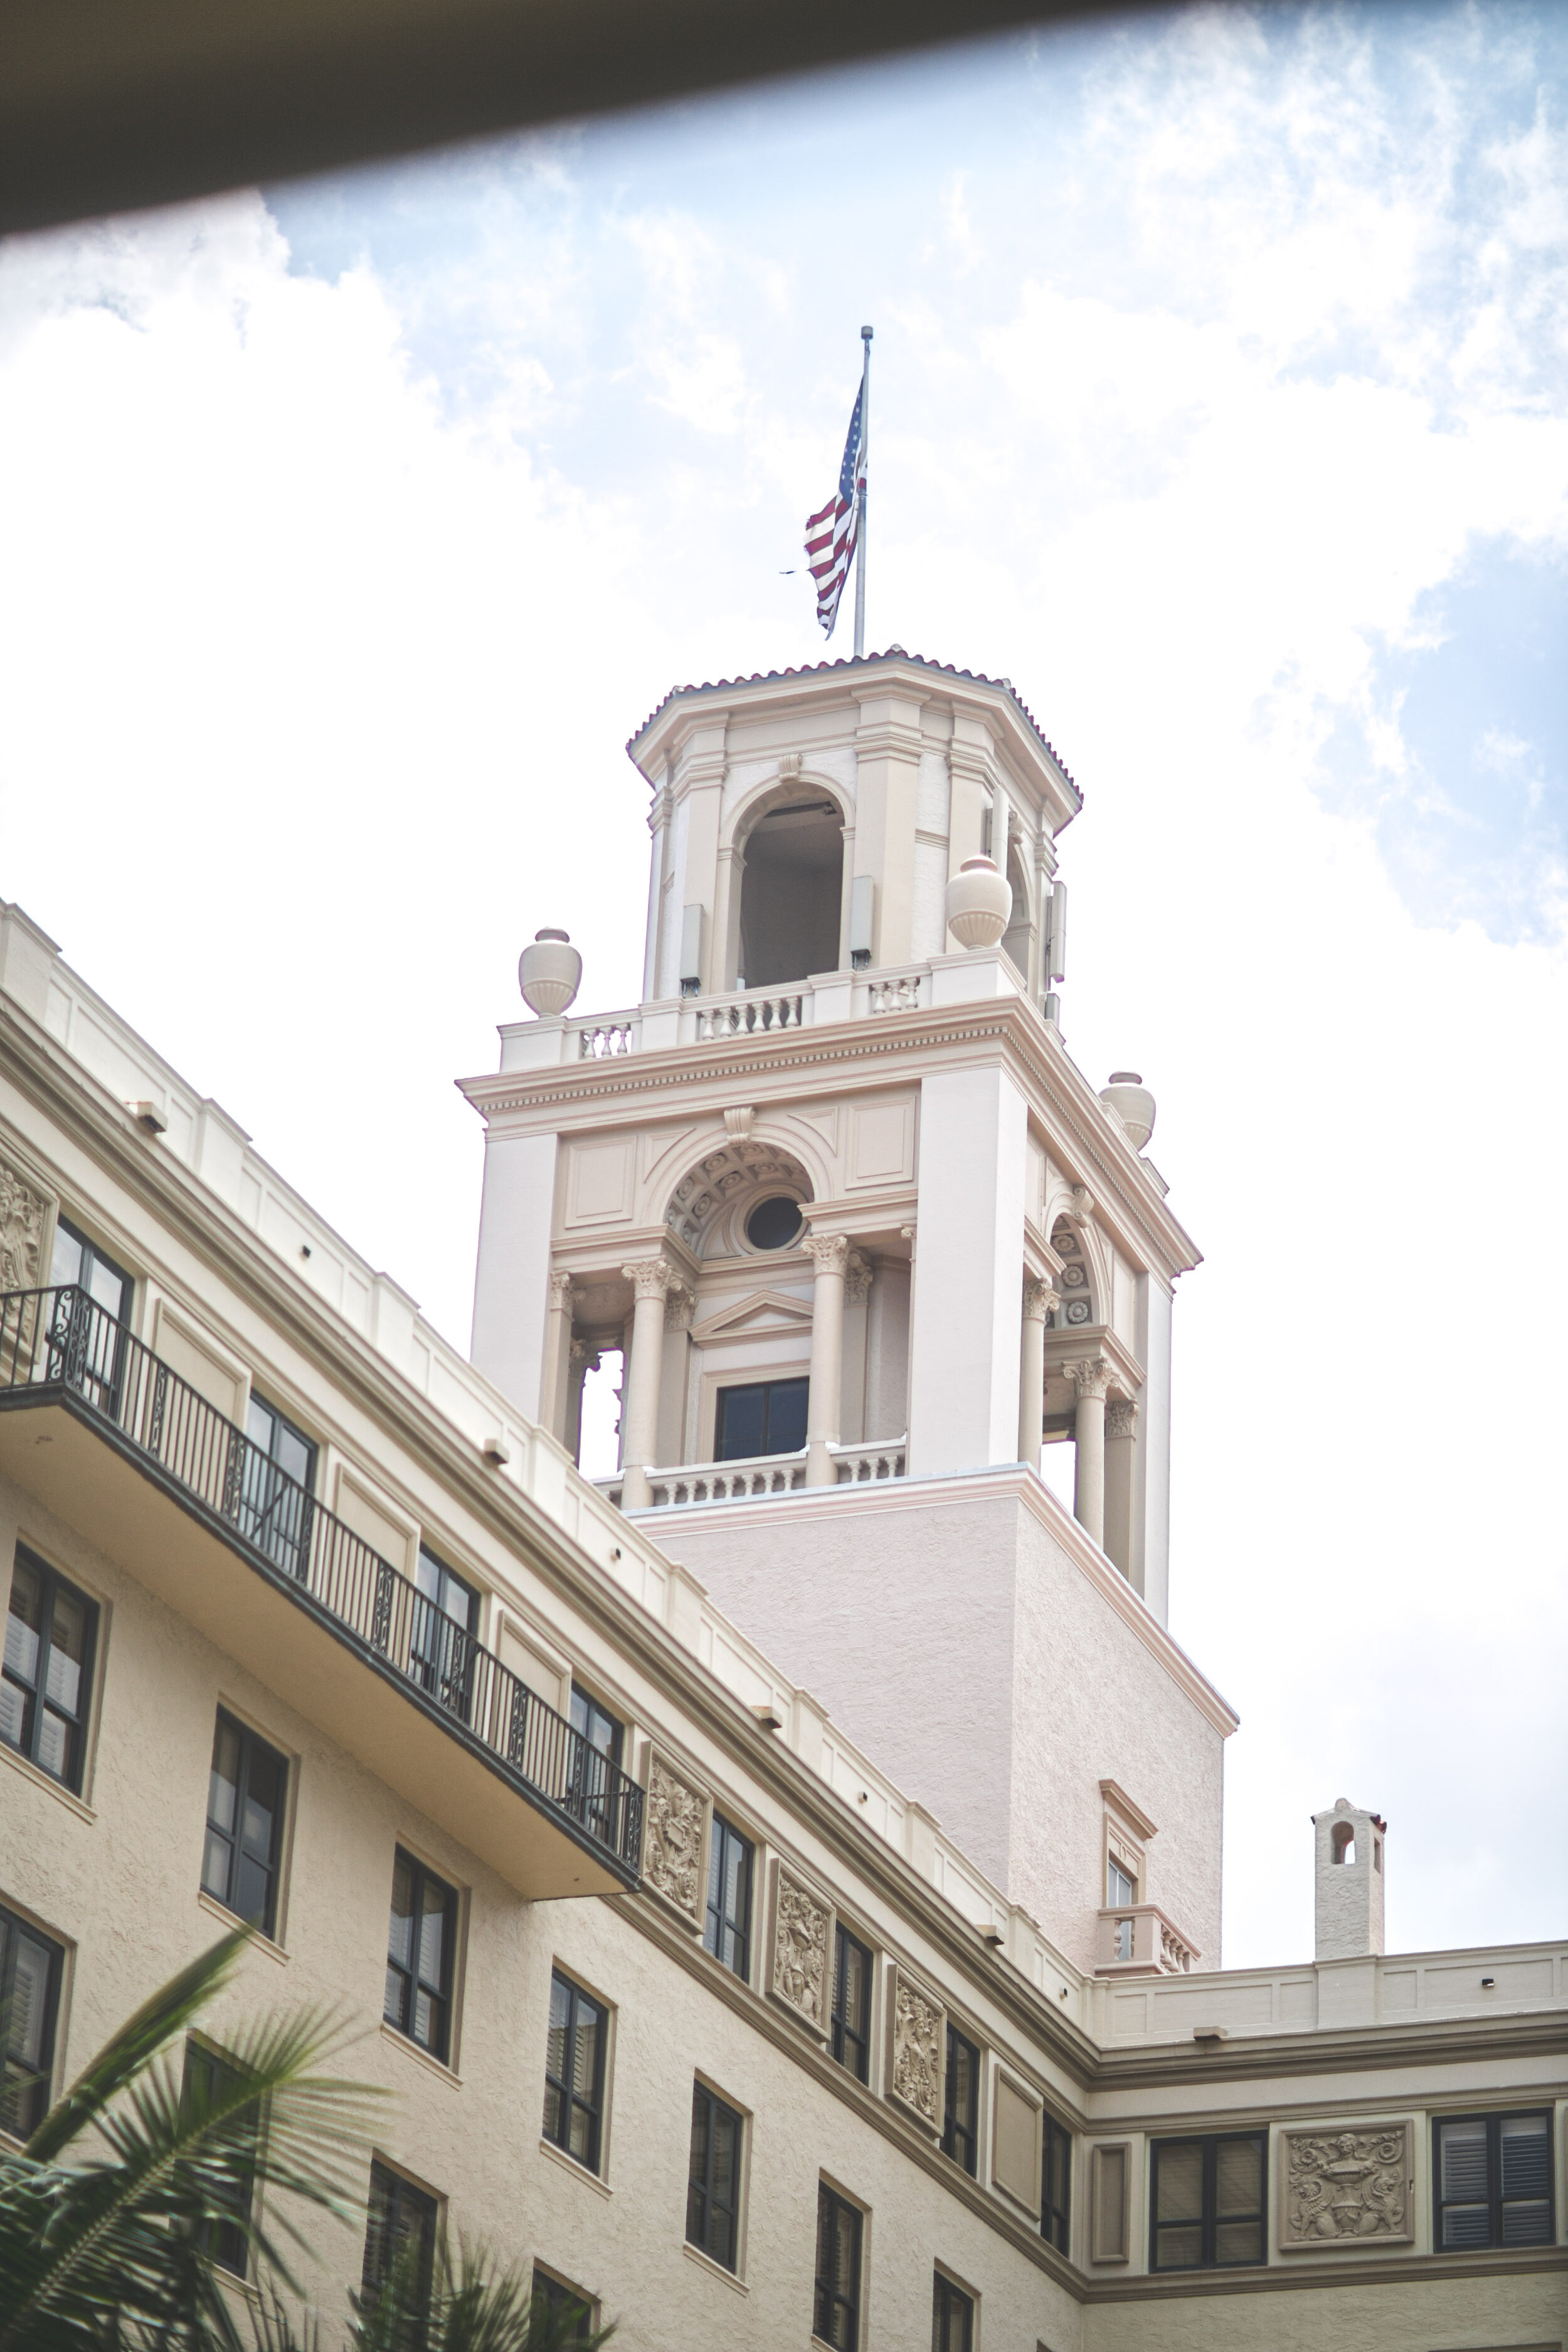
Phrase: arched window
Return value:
(792, 886)
(1344, 1840)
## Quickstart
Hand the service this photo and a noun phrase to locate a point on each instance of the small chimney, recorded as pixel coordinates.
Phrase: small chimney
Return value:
(1349, 1880)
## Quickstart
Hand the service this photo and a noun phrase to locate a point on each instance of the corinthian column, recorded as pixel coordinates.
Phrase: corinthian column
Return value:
(1120, 1435)
(557, 1341)
(1038, 1300)
(651, 1279)
(1092, 1380)
(830, 1254)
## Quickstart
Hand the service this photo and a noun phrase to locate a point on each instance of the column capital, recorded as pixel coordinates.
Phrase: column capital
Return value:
(679, 1308)
(584, 1352)
(651, 1277)
(856, 1279)
(829, 1253)
(1122, 1418)
(1091, 1376)
(561, 1294)
(1038, 1300)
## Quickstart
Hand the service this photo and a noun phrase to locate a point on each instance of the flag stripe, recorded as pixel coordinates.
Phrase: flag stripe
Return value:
(835, 543)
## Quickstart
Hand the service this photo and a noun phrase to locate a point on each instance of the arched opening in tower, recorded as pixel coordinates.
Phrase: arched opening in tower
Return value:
(790, 892)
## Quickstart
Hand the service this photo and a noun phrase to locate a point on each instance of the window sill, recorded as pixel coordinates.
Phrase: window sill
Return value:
(48, 1782)
(258, 1942)
(714, 2270)
(436, 2066)
(578, 2171)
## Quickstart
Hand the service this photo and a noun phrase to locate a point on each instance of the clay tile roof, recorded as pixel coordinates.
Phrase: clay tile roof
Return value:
(813, 670)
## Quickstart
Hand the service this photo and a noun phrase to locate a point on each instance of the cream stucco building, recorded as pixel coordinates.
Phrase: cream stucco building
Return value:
(754, 1957)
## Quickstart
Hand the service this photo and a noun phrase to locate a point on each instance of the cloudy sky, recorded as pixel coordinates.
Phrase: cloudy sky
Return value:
(347, 530)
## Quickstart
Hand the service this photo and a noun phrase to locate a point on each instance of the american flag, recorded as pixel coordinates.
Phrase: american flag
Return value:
(830, 535)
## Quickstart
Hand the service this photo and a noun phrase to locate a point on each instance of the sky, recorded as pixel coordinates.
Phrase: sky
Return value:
(348, 530)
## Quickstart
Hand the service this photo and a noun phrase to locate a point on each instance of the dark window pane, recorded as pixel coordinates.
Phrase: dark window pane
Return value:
(773, 1224)
(713, 2179)
(727, 1927)
(400, 2232)
(575, 2072)
(1238, 2176)
(421, 1924)
(742, 1418)
(1209, 2200)
(1524, 2150)
(50, 1629)
(1463, 2158)
(247, 1788)
(851, 2003)
(1181, 2183)
(206, 2079)
(1494, 2181)
(30, 1968)
(786, 1416)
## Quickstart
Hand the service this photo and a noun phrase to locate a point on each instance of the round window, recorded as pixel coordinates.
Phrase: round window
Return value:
(773, 1224)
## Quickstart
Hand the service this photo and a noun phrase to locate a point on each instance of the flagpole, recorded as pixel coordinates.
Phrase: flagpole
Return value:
(860, 518)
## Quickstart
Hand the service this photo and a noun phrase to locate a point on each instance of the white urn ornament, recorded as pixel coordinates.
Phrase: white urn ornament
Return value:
(549, 973)
(1133, 1104)
(979, 904)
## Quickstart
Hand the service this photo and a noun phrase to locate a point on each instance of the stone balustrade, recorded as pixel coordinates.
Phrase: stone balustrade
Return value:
(1136, 1939)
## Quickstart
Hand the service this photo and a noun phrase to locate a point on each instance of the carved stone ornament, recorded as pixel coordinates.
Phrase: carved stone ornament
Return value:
(1344, 2187)
(1091, 1378)
(679, 1308)
(857, 1280)
(916, 2076)
(650, 1278)
(561, 1293)
(829, 1253)
(803, 1926)
(1038, 1300)
(672, 1847)
(1122, 1418)
(24, 1218)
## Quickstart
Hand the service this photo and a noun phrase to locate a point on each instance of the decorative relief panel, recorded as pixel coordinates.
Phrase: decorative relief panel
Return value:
(672, 1845)
(917, 2071)
(803, 1936)
(1346, 2187)
(24, 1221)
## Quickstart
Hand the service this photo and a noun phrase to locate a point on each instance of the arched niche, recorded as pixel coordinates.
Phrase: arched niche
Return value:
(792, 890)
(715, 1201)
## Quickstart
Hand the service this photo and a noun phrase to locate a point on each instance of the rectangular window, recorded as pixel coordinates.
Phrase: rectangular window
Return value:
(570, 2314)
(575, 2072)
(728, 1930)
(851, 2004)
(961, 2113)
(1493, 2181)
(952, 2318)
(45, 1682)
(763, 1417)
(713, 2182)
(277, 1479)
(1120, 1888)
(206, 2078)
(836, 2312)
(1055, 2184)
(78, 1260)
(400, 2235)
(594, 1762)
(246, 1789)
(446, 1626)
(30, 1971)
(94, 1347)
(1209, 2199)
(419, 1953)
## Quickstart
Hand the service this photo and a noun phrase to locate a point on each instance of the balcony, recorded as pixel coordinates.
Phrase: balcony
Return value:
(764, 1476)
(833, 996)
(1136, 1939)
(114, 1442)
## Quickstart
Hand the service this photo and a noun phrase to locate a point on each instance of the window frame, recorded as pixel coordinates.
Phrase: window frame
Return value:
(40, 2080)
(1055, 2220)
(718, 2107)
(81, 1724)
(1496, 2202)
(949, 2301)
(837, 2210)
(412, 1982)
(226, 2242)
(249, 1740)
(840, 2031)
(425, 2205)
(99, 1372)
(717, 1925)
(1208, 2220)
(568, 2100)
(557, 2295)
(768, 1451)
(592, 1764)
(954, 2128)
(92, 1254)
(273, 1485)
(442, 1650)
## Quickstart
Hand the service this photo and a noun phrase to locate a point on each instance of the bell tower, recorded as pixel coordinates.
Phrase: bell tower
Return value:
(869, 1240)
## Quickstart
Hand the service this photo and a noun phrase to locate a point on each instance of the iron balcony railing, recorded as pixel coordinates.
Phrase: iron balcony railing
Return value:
(61, 1340)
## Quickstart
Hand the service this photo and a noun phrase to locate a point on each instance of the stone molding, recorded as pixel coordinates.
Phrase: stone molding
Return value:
(916, 2074)
(651, 1277)
(801, 1959)
(1120, 1418)
(829, 1253)
(1351, 2187)
(26, 1221)
(674, 1839)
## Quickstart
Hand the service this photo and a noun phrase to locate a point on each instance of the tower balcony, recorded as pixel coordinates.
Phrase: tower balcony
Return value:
(764, 1477)
(1136, 1939)
(111, 1439)
(665, 1023)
